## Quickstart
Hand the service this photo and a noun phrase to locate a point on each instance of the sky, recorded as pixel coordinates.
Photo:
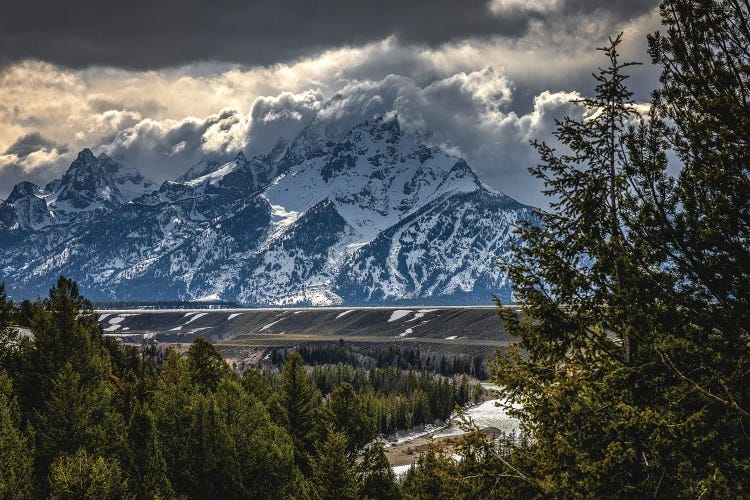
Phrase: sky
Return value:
(162, 85)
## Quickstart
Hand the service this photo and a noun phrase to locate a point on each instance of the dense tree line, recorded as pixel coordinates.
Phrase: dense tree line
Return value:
(82, 416)
(399, 399)
(405, 358)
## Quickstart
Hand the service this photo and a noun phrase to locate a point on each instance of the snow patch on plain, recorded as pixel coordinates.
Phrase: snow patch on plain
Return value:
(196, 316)
(269, 325)
(398, 314)
(408, 331)
(421, 314)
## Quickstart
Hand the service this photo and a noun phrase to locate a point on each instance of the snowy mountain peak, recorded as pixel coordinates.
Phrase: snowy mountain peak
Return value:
(23, 190)
(352, 213)
(91, 183)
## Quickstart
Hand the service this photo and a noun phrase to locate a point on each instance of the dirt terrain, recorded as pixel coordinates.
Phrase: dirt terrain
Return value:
(243, 333)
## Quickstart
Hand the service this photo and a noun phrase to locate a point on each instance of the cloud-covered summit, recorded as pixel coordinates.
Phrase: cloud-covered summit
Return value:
(481, 93)
(466, 114)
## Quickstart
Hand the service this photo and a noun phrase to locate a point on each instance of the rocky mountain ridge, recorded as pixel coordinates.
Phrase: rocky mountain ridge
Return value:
(372, 215)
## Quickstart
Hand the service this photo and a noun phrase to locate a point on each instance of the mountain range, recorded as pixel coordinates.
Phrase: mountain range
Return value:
(371, 215)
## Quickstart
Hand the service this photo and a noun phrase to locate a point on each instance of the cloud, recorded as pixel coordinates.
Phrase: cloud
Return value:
(468, 114)
(480, 97)
(29, 158)
(165, 149)
(146, 34)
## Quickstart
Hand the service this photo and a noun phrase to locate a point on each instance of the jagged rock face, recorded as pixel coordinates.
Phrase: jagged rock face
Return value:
(25, 208)
(90, 184)
(366, 216)
(95, 182)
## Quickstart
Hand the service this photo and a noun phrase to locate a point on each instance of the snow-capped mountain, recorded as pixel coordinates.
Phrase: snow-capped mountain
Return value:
(370, 215)
(91, 183)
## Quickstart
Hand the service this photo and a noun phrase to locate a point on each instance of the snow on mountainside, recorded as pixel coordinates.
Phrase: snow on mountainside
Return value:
(91, 183)
(366, 215)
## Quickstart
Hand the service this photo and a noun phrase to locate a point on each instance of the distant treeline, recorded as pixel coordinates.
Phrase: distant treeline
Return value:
(405, 358)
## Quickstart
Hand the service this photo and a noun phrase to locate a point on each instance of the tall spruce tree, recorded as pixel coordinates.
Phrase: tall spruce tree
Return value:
(305, 416)
(375, 476)
(586, 309)
(333, 473)
(147, 467)
(350, 418)
(634, 373)
(16, 450)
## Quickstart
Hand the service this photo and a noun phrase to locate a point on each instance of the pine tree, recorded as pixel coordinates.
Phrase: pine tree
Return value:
(213, 468)
(634, 287)
(350, 418)
(586, 310)
(25, 313)
(16, 451)
(433, 477)
(375, 476)
(333, 473)
(148, 469)
(85, 476)
(305, 417)
(206, 365)
(77, 415)
(172, 415)
(263, 451)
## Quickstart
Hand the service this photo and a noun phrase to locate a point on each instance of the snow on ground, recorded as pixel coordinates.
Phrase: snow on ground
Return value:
(344, 313)
(233, 315)
(24, 332)
(119, 318)
(452, 337)
(112, 328)
(408, 331)
(269, 325)
(421, 314)
(398, 314)
(176, 329)
(401, 470)
(488, 414)
(194, 317)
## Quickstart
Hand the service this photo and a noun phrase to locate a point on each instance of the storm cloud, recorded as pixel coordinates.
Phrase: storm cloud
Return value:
(146, 34)
(161, 87)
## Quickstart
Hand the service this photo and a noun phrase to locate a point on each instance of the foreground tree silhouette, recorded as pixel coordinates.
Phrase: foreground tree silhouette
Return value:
(634, 333)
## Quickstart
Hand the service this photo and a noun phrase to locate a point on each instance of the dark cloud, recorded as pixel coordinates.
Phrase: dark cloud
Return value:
(31, 143)
(31, 158)
(152, 34)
